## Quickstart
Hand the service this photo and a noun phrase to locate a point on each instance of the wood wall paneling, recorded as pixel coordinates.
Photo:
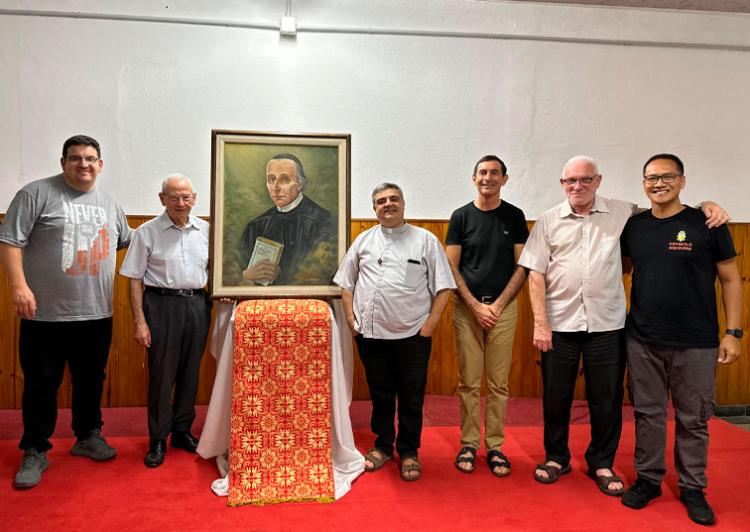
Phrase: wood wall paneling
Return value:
(127, 373)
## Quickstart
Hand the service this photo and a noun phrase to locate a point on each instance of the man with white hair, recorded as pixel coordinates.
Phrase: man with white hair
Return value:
(578, 300)
(167, 264)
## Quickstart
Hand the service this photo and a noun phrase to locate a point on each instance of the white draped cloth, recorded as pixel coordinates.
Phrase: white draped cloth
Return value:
(348, 462)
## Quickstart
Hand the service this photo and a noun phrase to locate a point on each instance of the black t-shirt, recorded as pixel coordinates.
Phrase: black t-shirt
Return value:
(673, 300)
(487, 239)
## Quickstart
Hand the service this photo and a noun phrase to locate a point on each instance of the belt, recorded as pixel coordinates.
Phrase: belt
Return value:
(487, 299)
(183, 292)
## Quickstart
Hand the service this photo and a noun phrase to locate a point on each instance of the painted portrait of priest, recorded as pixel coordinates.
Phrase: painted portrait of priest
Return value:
(303, 232)
(283, 214)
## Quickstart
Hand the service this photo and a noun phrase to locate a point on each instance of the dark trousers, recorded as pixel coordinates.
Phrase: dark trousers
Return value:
(44, 348)
(179, 329)
(690, 375)
(603, 367)
(396, 369)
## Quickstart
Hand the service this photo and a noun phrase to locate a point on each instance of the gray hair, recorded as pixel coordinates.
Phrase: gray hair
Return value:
(581, 159)
(175, 177)
(301, 177)
(385, 186)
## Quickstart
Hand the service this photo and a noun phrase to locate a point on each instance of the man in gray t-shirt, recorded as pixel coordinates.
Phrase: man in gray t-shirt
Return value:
(57, 245)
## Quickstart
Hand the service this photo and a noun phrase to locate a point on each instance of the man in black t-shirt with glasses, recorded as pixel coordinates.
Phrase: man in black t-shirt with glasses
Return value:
(672, 332)
(484, 240)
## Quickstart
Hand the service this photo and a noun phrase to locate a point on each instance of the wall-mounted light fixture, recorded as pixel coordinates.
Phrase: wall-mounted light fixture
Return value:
(288, 25)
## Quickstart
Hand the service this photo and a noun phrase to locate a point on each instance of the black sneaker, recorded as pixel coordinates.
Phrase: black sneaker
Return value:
(697, 506)
(640, 494)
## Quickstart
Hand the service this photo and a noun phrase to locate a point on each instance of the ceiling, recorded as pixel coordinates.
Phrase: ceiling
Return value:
(734, 6)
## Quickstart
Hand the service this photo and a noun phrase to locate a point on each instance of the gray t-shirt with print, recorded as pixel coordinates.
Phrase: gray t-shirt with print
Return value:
(69, 240)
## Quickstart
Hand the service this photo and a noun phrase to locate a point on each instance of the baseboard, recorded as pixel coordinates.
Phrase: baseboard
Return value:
(732, 410)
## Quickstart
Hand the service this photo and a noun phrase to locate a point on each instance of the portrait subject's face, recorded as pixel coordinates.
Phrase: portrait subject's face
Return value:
(80, 167)
(281, 180)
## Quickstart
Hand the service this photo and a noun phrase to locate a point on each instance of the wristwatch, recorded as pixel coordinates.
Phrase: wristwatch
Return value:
(737, 333)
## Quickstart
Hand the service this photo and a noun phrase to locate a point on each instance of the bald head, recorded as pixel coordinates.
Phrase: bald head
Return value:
(174, 181)
(178, 196)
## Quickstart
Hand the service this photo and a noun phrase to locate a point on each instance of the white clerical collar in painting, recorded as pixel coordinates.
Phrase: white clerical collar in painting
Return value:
(292, 205)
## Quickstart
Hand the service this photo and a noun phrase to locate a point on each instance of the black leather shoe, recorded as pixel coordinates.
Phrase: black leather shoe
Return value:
(155, 455)
(184, 440)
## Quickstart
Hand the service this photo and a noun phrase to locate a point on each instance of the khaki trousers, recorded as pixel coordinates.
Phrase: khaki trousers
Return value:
(490, 351)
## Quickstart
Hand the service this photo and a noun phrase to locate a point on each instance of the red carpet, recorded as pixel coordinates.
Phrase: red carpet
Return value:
(78, 494)
(439, 411)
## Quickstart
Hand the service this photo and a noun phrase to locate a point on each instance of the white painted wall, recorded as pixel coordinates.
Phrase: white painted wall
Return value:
(420, 109)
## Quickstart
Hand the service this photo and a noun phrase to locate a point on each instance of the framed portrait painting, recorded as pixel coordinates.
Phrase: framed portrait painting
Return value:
(280, 213)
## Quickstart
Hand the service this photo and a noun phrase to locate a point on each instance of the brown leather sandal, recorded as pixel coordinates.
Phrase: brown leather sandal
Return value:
(378, 460)
(553, 473)
(412, 466)
(603, 482)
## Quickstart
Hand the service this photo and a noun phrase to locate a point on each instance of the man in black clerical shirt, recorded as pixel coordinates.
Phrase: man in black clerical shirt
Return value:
(303, 227)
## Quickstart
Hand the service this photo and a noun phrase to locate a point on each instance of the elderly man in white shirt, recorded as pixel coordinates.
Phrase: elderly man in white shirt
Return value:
(396, 281)
(167, 264)
(578, 300)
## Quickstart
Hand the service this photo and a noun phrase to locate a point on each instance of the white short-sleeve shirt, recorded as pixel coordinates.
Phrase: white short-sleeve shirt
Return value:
(394, 273)
(167, 256)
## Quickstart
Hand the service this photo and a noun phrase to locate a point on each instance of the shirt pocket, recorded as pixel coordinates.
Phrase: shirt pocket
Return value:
(413, 273)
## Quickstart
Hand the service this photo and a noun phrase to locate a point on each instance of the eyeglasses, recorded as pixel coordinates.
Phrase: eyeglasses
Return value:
(585, 181)
(666, 178)
(76, 159)
(175, 198)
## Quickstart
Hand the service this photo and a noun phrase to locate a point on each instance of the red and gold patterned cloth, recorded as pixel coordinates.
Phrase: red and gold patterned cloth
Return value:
(280, 442)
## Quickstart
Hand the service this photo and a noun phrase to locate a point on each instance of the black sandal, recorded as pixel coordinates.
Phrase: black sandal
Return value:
(466, 459)
(496, 458)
